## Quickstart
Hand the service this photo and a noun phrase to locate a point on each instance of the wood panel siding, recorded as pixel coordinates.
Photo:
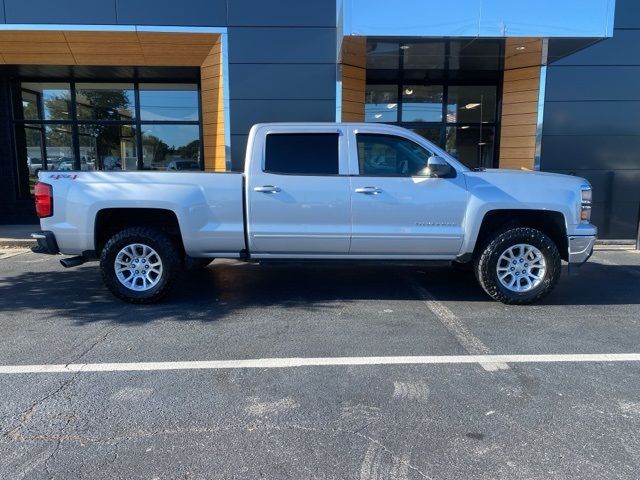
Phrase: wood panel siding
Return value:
(520, 89)
(353, 77)
(211, 81)
(134, 49)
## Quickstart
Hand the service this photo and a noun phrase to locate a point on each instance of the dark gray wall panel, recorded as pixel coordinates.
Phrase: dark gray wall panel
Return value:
(591, 118)
(611, 186)
(593, 83)
(615, 220)
(282, 13)
(619, 50)
(211, 13)
(282, 45)
(627, 14)
(245, 113)
(274, 81)
(238, 150)
(61, 11)
(590, 152)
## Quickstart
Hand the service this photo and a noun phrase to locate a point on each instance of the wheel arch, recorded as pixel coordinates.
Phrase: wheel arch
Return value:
(109, 221)
(552, 223)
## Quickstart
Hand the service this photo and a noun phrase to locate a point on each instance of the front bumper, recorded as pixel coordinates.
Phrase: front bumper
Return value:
(580, 248)
(46, 243)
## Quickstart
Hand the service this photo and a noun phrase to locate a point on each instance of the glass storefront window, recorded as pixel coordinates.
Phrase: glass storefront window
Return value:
(422, 103)
(382, 55)
(169, 102)
(381, 103)
(46, 101)
(59, 147)
(171, 147)
(105, 101)
(423, 55)
(33, 147)
(108, 147)
(430, 133)
(472, 145)
(471, 104)
(105, 129)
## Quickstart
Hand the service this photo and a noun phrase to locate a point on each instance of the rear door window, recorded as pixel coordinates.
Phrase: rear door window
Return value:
(302, 154)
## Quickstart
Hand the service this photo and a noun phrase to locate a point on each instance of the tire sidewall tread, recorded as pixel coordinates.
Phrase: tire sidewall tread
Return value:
(161, 243)
(485, 265)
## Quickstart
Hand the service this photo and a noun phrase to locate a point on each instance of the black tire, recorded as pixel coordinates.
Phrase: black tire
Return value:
(194, 264)
(486, 263)
(166, 249)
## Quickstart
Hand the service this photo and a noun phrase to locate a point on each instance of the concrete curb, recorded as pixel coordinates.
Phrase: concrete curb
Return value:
(17, 242)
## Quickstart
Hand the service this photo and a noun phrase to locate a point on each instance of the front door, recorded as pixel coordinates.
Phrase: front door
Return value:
(298, 196)
(397, 207)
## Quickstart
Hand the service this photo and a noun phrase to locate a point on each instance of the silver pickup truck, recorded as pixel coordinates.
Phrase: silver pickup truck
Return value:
(321, 191)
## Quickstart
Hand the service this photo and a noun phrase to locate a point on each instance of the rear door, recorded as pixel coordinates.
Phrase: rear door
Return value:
(397, 208)
(299, 192)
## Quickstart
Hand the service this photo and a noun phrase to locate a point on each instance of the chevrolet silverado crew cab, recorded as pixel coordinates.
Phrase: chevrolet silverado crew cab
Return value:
(320, 191)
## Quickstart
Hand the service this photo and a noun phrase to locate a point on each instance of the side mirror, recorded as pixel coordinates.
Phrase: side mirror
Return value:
(438, 167)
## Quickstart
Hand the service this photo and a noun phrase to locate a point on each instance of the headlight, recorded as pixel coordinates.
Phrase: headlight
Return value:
(585, 206)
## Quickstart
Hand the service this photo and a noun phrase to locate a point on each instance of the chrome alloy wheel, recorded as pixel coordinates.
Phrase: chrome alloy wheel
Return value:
(521, 268)
(138, 267)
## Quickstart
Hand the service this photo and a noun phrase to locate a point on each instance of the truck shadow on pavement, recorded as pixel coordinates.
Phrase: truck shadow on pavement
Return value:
(230, 288)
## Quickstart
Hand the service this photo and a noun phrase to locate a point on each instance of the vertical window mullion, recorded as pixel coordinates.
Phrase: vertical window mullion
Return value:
(136, 90)
(75, 139)
(400, 80)
(201, 128)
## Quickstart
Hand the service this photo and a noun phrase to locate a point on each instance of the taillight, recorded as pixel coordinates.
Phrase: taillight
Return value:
(43, 194)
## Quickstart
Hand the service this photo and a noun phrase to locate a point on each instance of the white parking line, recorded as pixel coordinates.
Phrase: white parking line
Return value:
(295, 362)
(472, 344)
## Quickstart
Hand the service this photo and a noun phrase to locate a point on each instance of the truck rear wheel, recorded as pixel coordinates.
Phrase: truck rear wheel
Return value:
(140, 264)
(519, 266)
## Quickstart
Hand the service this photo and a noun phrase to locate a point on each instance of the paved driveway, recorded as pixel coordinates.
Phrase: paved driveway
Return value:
(242, 374)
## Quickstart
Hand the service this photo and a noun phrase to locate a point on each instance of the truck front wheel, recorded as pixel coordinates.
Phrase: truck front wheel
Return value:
(518, 266)
(140, 264)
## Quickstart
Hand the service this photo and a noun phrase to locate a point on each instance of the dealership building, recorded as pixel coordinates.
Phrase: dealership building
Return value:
(175, 86)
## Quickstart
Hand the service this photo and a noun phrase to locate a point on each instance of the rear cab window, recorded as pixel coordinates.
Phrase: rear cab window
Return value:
(302, 154)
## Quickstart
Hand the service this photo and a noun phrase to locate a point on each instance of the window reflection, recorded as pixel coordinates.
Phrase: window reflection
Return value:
(59, 142)
(430, 133)
(382, 55)
(472, 145)
(422, 103)
(381, 103)
(46, 101)
(105, 101)
(169, 102)
(423, 55)
(171, 147)
(107, 147)
(105, 129)
(471, 104)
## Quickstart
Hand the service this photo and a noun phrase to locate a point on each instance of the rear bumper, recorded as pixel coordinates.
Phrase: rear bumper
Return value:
(580, 248)
(46, 243)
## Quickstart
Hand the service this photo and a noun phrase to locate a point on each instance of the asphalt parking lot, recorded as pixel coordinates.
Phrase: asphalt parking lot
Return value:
(138, 405)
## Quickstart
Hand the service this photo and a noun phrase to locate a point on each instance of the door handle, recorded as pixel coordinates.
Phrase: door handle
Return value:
(369, 190)
(267, 189)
